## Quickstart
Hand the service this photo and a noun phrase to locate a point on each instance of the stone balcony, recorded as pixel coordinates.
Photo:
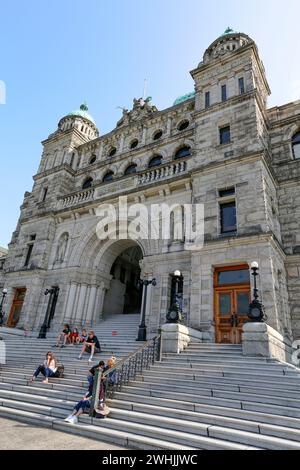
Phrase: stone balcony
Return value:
(162, 172)
(150, 176)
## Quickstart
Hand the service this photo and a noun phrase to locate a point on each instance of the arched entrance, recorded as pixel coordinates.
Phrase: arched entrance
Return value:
(123, 295)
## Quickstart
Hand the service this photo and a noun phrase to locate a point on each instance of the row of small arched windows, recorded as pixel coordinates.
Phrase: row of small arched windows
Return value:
(132, 168)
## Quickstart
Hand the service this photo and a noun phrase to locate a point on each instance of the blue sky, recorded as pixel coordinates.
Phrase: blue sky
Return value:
(56, 54)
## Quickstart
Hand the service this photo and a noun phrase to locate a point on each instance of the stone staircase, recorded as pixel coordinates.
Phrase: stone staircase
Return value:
(208, 397)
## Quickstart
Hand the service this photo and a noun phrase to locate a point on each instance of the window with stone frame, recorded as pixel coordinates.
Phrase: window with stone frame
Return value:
(227, 209)
(296, 146)
(87, 183)
(241, 85)
(224, 135)
(224, 92)
(155, 161)
(108, 176)
(30, 245)
(207, 99)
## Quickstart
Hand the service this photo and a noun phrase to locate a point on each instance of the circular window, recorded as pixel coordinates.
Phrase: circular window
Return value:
(112, 152)
(157, 135)
(108, 176)
(183, 125)
(155, 161)
(134, 144)
(93, 159)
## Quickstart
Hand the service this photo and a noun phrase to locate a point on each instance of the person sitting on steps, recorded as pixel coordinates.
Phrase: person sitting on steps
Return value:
(92, 373)
(91, 345)
(48, 369)
(64, 337)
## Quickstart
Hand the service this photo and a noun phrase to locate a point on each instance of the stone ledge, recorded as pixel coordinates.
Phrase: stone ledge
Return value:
(176, 337)
(260, 339)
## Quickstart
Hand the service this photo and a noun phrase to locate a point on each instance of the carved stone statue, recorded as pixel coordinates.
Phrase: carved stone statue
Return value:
(61, 248)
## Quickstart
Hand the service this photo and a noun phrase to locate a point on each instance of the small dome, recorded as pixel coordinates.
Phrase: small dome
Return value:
(228, 42)
(82, 112)
(183, 98)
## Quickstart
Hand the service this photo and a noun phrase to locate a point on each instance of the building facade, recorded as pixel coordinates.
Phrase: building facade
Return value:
(219, 146)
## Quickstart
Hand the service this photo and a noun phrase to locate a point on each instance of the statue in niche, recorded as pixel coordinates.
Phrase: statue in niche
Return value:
(62, 248)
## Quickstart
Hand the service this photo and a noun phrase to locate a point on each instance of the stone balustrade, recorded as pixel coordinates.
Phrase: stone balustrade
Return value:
(148, 176)
(78, 198)
(162, 172)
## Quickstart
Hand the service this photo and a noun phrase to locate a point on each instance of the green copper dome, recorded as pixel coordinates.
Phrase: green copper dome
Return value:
(82, 112)
(229, 31)
(183, 98)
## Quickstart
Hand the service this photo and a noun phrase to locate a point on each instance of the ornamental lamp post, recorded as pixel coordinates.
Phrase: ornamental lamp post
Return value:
(4, 293)
(174, 314)
(256, 309)
(142, 333)
(43, 331)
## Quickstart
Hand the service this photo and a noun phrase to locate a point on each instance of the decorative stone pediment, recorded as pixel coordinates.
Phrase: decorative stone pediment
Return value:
(142, 109)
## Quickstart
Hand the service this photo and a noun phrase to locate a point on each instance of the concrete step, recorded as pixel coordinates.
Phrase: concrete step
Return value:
(122, 438)
(195, 394)
(228, 417)
(197, 385)
(291, 438)
(191, 401)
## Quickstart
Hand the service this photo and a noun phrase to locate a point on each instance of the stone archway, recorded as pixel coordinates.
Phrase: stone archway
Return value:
(123, 295)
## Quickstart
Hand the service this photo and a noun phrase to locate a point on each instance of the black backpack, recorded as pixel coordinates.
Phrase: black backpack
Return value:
(60, 372)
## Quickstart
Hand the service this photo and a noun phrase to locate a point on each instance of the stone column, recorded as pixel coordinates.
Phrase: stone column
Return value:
(91, 307)
(98, 310)
(70, 303)
(81, 305)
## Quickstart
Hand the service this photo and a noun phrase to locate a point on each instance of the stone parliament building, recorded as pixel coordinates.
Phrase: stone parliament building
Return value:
(219, 146)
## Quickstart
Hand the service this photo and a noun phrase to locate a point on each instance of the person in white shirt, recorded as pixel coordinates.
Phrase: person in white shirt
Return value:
(48, 369)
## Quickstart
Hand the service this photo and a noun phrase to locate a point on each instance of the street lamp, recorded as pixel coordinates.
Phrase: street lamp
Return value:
(4, 293)
(174, 314)
(53, 293)
(256, 310)
(142, 333)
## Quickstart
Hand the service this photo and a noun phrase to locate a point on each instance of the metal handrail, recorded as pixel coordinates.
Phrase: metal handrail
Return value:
(124, 371)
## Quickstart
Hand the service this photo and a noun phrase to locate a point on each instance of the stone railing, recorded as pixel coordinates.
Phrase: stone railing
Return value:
(77, 198)
(162, 172)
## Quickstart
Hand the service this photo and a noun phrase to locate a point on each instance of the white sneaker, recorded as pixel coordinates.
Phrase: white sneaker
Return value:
(69, 419)
(74, 420)
(90, 359)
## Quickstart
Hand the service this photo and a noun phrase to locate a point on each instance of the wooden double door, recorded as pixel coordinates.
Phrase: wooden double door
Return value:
(231, 299)
(16, 307)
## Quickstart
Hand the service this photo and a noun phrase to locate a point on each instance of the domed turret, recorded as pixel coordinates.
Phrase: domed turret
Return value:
(82, 112)
(81, 120)
(228, 42)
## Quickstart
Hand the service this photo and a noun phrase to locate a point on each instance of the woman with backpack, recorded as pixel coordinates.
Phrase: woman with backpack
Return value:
(48, 369)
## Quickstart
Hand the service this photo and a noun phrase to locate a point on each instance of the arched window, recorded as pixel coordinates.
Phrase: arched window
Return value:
(88, 183)
(155, 161)
(134, 144)
(296, 145)
(182, 152)
(108, 176)
(112, 152)
(130, 169)
(157, 135)
(183, 125)
(93, 159)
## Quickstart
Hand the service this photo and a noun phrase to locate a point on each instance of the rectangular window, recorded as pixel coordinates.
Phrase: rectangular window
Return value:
(44, 194)
(29, 249)
(207, 99)
(236, 276)
(224, 92)
(226, 192)
(228, 217)
(241, 86)
(225, 135)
